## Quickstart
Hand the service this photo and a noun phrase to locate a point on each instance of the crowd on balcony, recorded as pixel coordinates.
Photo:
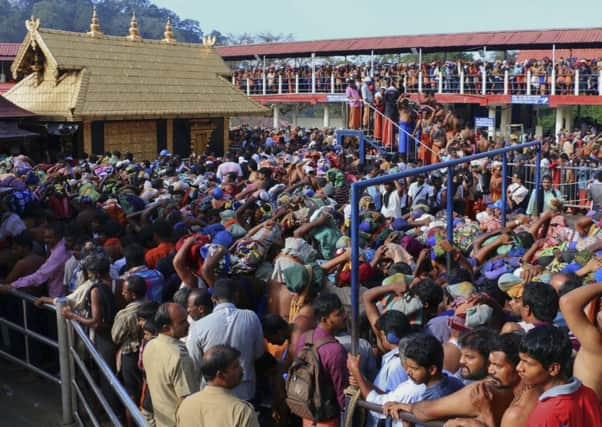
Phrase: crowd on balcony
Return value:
(438, 75)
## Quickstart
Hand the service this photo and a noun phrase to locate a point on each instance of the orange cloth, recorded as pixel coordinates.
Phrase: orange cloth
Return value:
(354, 117)
(378, 126)
(153, 255)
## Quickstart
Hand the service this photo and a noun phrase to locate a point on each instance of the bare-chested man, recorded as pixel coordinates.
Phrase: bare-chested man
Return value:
(501, 399)
(587, 366)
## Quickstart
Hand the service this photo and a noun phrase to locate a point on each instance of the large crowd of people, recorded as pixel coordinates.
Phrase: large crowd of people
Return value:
(218, 289)
(287, 78)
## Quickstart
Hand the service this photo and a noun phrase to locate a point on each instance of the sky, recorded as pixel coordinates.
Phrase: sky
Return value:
(328, 19)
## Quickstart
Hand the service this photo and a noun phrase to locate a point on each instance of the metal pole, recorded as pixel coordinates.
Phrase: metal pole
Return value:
(504, 187)
(64, 364)
(449, 207)
(26, 326)
(553, 88)
(537, 177)
(313, 73)
(355, 253)
(362, 148)
(372, 64)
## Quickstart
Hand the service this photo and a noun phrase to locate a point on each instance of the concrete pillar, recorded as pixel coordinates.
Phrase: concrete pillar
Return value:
(295, 115)
(506, 120)
(326, 116)
(506, 83)
(559, 121)
(576, 80)
(491, 129)
(569, 118)
(276, 116)
(462, 81)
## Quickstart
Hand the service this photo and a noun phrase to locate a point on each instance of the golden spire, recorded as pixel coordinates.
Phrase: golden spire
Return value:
(94, 25)
(134, 33)
(168, 34)
(32, 24)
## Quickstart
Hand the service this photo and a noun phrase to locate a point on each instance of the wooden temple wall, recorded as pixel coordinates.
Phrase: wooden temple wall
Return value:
(146, 138)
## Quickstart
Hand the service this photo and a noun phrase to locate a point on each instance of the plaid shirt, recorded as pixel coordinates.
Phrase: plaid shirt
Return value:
(125, 328)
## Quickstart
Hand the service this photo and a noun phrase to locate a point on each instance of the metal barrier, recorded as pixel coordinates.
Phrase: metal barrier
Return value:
(70, 357)
(358, 187)
(403, 415)
(444, 80)
(573, 182)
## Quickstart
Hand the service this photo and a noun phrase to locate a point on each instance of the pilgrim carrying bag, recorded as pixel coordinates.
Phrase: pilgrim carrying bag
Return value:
(310, 393)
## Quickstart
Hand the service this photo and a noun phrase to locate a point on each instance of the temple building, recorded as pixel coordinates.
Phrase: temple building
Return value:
(125, 93)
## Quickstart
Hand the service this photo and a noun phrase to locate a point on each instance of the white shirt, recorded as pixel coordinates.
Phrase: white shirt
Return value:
(392, 209)
(518, 192)
(406, 392)
(424, 192)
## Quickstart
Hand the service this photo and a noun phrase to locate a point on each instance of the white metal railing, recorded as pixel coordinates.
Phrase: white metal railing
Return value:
(572, 184)
(72, 366)
(444, 81)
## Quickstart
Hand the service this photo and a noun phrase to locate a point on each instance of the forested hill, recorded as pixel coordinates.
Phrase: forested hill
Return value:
(74, 15)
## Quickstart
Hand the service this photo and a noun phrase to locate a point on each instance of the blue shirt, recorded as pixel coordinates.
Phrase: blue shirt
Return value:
(448, 385)
(391, 373)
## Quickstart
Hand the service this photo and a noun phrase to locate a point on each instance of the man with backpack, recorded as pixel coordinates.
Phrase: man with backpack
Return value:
(318, 376)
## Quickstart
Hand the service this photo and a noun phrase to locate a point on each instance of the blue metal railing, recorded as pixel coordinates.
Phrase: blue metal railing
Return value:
(358, 187)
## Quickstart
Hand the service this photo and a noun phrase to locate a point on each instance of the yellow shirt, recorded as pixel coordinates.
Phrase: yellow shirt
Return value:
(170, 375)
(215, 407)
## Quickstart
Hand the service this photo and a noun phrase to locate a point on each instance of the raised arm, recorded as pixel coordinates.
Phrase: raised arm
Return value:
(572, 306)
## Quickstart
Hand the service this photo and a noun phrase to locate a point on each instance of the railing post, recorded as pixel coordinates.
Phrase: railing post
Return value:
(297, 83)
(362, 148)
(331, 82)
(280, 85)
(420, 81)
(537, 176)
(355, 253)
(405, 83)
(263, 83)
(504, 187)
(576, 82)
(233, 79)
(248, 87)
(506, 82)
(440, 82)
(529, 82)
(462, 81)
(65, 371)
(484, 82)
(313, 73)
(449, 208)
(553, 87)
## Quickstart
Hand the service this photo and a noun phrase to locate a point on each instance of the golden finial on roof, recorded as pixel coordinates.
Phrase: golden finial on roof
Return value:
(32, 24)
(94, 25)
(134, 33)
(168, 34)
(208, 41)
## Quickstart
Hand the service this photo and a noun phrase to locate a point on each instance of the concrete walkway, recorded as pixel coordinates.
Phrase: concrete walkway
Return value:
(27, 400)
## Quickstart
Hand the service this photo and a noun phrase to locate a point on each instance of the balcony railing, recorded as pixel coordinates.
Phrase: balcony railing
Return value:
(483, 82)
